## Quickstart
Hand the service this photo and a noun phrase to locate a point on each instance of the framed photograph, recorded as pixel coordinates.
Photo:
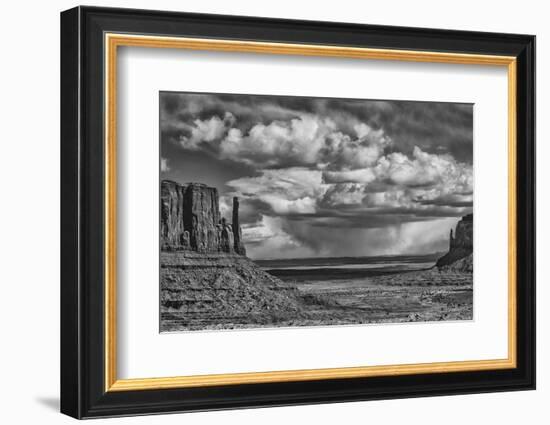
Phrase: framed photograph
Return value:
(261, 212)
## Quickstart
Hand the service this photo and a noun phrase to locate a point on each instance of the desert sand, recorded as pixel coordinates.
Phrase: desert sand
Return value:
(221, 291)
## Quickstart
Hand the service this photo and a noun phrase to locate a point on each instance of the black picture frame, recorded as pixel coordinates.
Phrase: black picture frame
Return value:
(83, 392)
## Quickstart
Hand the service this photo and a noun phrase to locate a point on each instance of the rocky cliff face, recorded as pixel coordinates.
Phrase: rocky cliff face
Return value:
(461, 244)
(190, 220)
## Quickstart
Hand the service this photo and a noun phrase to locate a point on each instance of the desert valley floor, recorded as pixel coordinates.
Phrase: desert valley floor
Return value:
(224, 291)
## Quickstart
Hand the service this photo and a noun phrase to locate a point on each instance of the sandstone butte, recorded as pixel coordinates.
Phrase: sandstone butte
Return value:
(191, 220)
(206, 279)
(460, 255)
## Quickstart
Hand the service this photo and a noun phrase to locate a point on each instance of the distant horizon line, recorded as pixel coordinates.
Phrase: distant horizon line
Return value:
(351, 257)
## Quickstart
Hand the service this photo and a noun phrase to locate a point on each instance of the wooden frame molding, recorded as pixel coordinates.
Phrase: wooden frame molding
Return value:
(114, 40)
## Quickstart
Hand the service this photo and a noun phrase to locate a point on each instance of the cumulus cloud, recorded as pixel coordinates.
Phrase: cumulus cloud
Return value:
(411, 187)
(426, 169)
(315, 174)
(286, 191)
(420, 170)
(206, 131)
(344, 194)
(298, 140)
(305, 140)
(316, 209)
(361, 175)
(436, 127)
(401, 181)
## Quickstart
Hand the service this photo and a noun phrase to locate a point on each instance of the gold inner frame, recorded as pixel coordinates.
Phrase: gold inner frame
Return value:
(113, 41)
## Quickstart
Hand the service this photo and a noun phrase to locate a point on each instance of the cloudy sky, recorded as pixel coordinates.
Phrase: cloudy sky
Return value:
(325, 177)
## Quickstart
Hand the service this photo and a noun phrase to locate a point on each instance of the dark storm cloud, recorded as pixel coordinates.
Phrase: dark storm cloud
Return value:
(435, 127)
(357, 218)
(311, 170)
(179, 111)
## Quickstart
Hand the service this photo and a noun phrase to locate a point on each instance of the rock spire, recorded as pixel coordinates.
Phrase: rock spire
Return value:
(190, 219)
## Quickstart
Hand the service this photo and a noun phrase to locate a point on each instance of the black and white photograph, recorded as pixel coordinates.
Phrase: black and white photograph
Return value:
(284, 211)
